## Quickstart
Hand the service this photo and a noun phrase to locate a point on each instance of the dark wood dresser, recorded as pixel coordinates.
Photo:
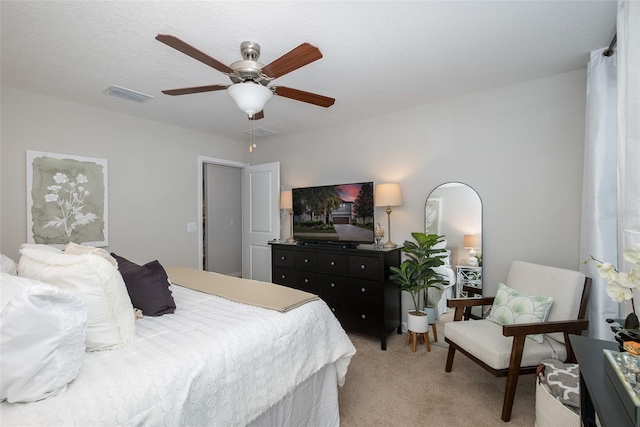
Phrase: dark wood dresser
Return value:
(353, 282)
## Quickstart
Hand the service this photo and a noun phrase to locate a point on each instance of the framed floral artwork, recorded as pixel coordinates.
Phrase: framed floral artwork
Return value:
(66, 199)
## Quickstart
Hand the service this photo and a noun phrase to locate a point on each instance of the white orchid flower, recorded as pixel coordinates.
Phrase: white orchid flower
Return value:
(618, 293)
(632, 255)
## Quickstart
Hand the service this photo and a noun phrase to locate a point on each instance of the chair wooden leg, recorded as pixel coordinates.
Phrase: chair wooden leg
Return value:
(512, 378)
(435, 332)
(450, 356)
(509, 396)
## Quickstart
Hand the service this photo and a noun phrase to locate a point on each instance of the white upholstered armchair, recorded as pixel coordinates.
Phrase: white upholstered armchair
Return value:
(503, 349)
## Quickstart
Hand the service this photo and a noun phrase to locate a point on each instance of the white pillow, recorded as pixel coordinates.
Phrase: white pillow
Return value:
(511, 307)
(42, 339)
(8, 265)
(76, 249)
(111, 322)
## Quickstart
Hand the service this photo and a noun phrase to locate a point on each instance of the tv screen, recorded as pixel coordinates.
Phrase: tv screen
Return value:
(340, 213)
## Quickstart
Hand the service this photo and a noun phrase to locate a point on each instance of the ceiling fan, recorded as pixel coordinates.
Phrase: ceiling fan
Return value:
(250, 78)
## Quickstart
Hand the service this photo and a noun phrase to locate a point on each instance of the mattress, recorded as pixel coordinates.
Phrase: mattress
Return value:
(212, 362)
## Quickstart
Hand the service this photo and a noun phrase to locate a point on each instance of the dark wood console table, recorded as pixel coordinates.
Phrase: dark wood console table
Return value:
(597, 394)
(354, 283)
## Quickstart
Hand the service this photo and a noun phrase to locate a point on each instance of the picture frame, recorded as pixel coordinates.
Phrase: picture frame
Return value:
(433, 212)
(67, 199)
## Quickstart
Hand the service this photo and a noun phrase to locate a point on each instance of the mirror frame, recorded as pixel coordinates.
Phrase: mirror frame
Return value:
(459, 262)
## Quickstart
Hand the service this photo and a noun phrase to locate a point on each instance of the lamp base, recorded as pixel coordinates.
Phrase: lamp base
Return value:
(472, 261)
(290, 240)
(389, 245)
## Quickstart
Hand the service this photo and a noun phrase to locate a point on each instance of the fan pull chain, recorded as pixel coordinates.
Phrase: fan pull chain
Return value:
(252, 136)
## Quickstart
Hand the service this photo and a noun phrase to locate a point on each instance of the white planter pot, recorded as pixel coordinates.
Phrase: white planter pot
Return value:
(433, 314)
(418, 324)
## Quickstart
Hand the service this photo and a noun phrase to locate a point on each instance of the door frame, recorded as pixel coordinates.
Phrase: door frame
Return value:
(203, 160)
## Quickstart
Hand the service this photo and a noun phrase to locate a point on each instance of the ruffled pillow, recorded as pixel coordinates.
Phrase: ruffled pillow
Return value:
(111, 320)
(42, 339)
(7, 265)
(76, 249)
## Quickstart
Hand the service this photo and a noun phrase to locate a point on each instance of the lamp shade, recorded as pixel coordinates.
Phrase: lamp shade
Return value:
(471, 241)
(388, 195)
(250, 97)
(286, 200)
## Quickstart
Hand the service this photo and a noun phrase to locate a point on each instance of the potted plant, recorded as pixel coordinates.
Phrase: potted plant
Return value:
(416, 275)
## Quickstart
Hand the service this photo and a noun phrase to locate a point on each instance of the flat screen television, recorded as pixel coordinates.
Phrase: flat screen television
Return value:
(334, 214)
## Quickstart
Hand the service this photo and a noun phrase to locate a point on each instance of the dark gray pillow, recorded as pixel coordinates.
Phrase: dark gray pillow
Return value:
(148, 286)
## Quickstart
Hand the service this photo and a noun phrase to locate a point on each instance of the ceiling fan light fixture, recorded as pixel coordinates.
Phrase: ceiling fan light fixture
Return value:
(250, 97)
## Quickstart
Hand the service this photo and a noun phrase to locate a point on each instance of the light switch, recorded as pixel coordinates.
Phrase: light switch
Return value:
(192, 227)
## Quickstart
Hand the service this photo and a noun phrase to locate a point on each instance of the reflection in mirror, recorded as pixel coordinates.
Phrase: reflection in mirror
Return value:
(454, 210)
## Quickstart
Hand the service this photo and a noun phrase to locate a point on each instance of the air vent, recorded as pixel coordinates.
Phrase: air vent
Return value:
(260, 132)
(131, 95)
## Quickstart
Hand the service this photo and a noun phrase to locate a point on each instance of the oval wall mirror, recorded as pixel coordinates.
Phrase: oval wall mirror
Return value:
(454, 210)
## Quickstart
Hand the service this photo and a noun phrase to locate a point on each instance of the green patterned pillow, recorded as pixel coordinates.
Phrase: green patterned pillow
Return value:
(511, 307)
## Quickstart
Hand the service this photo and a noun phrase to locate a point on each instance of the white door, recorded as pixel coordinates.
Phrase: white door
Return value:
(260, 218)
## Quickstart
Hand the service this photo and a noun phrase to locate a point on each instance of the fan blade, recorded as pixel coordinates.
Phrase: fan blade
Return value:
(257, 116)
(298, 57)
(197, 89)
(300, 95)
(187, 49)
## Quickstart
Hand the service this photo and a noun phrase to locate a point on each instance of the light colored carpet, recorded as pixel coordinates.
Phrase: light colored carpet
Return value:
(400, 388)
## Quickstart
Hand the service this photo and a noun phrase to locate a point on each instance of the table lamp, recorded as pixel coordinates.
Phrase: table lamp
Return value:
(388, 195)
(472, 242)
(286, 202)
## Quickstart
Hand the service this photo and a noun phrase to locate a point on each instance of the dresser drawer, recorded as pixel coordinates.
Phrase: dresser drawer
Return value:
(308, 281)
(366, 267)
(354, 315)
(307, 261)
(346, 287)
(283, 258)
(334, 263)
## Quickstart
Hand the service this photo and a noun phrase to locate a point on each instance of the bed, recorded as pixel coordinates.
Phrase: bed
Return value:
(213, 361)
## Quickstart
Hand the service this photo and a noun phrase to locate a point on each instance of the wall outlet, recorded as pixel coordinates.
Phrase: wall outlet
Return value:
(192, 227)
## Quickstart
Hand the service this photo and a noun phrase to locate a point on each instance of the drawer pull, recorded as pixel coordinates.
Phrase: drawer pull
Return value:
(363, 290)
(284, 276)
(333, 285)
(283, 258)
(363, 316)
(333, 309)
(362, 267)
(333, 263)
(306, 260)
(306, 280)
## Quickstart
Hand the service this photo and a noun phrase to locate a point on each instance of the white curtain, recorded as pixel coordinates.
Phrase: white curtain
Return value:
(628, 30)
(611, 184)
(599, 220)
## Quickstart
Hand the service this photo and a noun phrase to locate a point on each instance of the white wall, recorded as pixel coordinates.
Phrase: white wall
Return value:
(520, 147)
(152, 172)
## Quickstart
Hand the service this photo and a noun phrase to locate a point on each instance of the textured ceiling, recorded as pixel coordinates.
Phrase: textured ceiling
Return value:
(378, 56)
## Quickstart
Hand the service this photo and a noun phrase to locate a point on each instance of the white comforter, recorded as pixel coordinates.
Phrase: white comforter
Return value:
(213, 362)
